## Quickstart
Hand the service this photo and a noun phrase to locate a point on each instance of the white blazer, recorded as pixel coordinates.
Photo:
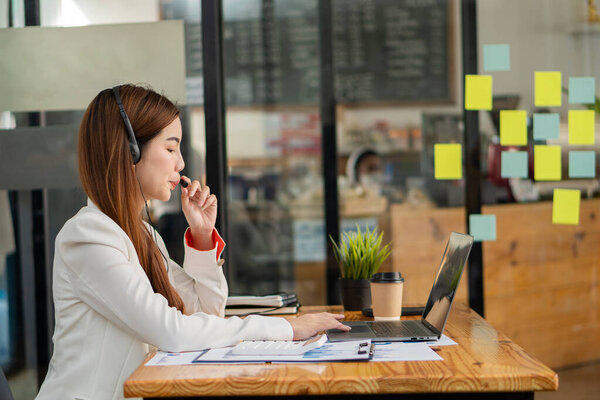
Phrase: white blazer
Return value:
(107, 313)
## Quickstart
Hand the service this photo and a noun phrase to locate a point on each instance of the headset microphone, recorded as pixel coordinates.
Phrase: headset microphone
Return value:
(134, 148)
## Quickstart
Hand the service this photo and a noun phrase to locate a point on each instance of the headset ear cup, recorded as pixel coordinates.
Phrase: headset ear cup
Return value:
(134, 148)
(136, 154)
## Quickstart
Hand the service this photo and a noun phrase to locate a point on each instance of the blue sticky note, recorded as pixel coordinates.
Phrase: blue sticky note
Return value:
(545, 126)
(514, 164)
(496, 57)
(482, 227)
(582, 164)
(582, 90)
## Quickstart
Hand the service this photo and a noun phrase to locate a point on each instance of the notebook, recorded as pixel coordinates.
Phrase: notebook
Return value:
(432, 322)
(273, 300)
(247, 310)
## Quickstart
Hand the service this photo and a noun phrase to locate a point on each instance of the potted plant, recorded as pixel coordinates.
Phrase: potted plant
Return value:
(359, 256)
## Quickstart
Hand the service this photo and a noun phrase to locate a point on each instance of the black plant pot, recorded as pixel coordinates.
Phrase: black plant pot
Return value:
(356, 294)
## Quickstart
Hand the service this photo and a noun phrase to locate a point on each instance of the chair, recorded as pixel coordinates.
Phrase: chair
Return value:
(5, 393)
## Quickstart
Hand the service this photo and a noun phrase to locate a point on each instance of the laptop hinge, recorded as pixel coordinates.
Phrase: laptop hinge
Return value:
(432, 328)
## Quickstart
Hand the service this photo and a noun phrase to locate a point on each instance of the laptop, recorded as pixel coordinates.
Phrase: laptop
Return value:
(432, 322)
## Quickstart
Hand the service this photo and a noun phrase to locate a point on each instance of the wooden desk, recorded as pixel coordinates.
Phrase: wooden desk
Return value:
(484, 364)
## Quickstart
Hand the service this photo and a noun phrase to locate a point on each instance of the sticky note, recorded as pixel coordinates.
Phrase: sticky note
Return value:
(545, 126)
(582, 90)
(513, 127)
(478, 92)
(546, 163)
(582, 127)
(514, 164)
(565, 206)
(448, 161)
(547, 89)
(482, 227)
(496, 57)
(582, 164)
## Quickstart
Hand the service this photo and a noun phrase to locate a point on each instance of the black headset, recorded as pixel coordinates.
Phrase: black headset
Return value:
(136, 153)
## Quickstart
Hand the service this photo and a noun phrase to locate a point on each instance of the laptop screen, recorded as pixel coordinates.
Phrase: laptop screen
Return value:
(447, 280)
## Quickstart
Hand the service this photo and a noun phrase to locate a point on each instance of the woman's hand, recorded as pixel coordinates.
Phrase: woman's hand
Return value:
(309, 325)
(200, 210)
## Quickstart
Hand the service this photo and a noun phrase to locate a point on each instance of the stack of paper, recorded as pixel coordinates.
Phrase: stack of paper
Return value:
(286, 303)
(359, 350)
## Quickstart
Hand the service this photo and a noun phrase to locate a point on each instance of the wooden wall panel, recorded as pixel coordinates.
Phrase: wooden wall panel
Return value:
(419, 238)
(540, 279)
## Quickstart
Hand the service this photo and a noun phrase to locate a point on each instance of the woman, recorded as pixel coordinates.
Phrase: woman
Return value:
(115, 290)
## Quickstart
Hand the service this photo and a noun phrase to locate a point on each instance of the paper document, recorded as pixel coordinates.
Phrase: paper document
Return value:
(356, 350)
(385, 351)
(403, 351)
(443, 341)
(166, 358)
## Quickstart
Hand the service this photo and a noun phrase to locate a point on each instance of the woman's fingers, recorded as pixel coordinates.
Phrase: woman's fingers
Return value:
(212, 199)
(196, 192)
(334, 323)
(203, 195)
(192, 189)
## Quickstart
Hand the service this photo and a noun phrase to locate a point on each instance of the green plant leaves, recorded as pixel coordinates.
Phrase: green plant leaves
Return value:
(359, 254)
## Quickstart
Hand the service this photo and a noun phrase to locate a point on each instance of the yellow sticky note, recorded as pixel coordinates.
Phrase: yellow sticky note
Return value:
(565, 206)
(546, 163)
(513, 127)
(547, 89)
(582, 127)
(478, 92)
(448, 161)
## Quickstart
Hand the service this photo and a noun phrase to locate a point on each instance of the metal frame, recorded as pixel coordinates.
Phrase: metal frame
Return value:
(214, 110)
(329, 147)
(472, 155)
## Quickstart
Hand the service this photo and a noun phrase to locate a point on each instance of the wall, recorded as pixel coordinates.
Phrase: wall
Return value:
(3, 13)
(93, 12)
(538, 35)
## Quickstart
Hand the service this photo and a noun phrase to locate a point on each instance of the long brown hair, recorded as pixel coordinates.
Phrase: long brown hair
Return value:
(107, 174)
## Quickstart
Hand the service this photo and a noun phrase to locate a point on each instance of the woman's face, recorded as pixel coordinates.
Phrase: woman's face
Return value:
(158, 170)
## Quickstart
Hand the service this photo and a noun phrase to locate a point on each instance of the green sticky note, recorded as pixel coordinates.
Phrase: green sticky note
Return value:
(513, 127)
(582, 164)
(514, 164)
(547, 89)
(546, 163)
(565, 207)
(478, 92)
(582, 127)
(448, 161)
(545, 126)
(482, 227)
(582, 90)
(496, 57)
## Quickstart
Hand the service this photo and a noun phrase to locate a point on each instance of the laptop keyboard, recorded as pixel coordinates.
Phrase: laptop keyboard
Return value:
(404, 329)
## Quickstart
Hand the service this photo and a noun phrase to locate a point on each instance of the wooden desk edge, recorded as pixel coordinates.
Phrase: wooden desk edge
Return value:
(140, 385)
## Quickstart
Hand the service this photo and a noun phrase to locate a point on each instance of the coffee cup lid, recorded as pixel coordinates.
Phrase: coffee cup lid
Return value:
(387, 277)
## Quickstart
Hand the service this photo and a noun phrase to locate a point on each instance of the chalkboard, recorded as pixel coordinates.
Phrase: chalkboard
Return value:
(384, 51)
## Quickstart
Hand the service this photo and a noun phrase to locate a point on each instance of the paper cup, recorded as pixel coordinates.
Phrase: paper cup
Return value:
(386, 296)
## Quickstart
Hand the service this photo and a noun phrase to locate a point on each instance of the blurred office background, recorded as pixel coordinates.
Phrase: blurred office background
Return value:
(397, 89)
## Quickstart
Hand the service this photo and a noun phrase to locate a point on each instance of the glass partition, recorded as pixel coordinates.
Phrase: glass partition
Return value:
(540, 176)
(400, 130)
(275, 213)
